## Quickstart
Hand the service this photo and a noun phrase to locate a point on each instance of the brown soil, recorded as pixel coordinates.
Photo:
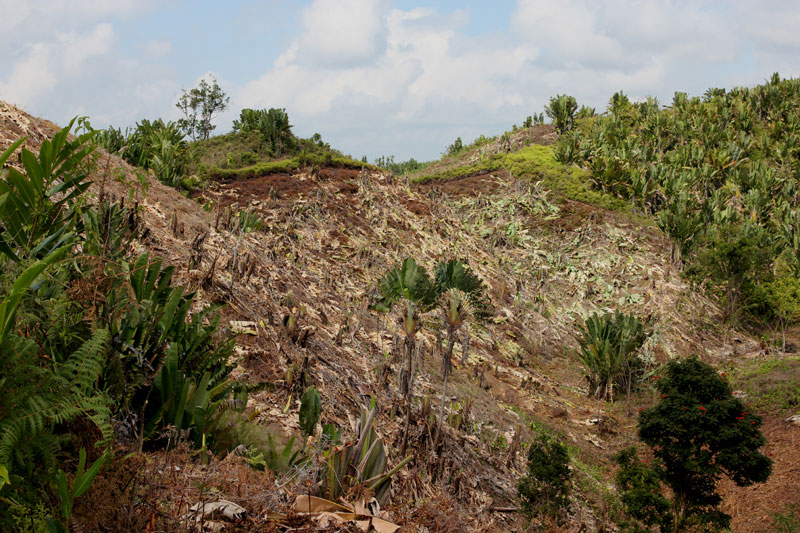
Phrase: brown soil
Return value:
(282, 186)
(484, 183)
(753, 508)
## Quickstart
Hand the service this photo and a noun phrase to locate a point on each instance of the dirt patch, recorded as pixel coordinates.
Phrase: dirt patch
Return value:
(753, 508)
(283, 186)
(480, 184)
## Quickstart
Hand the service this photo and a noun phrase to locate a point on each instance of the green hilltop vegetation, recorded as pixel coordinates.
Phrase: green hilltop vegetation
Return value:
(261, 143)
(721, 176)
(102, 348)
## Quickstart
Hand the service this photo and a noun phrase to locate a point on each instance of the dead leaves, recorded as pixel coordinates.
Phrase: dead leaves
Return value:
(326, 513)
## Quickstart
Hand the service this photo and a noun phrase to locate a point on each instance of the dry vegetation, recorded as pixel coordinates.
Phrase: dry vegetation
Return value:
(326, 236)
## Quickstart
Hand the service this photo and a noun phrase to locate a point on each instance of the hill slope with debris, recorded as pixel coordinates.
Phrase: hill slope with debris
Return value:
(297, 290)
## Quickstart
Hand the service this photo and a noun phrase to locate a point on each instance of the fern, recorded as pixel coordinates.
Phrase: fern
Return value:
(34, 400)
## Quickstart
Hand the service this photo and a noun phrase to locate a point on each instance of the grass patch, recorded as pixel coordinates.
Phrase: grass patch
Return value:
(771, 386)
(225, 150)
(537, 163)
(285, 166)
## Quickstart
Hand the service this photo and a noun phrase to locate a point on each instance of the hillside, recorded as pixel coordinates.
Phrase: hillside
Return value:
(296, 286)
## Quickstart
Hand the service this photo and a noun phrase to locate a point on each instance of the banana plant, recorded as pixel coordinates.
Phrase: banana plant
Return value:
(461, 296)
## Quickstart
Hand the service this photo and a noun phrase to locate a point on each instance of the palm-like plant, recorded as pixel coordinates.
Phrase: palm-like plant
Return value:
(562, 110)
(608, 346)
(410, 284)
(461, 296)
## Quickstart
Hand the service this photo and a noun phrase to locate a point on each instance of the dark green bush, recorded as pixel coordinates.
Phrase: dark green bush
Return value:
(545, 489)
(698, 432)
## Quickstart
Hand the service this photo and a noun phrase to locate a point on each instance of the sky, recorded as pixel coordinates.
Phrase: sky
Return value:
(381, 77)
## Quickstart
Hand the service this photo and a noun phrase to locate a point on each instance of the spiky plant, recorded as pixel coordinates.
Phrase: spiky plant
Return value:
(608, 347)
(461, 296)
(410, 284)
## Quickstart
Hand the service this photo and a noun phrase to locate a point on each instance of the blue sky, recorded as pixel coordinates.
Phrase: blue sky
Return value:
(381, 77)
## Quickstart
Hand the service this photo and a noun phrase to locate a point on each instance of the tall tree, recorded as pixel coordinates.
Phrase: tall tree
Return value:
(199, 105)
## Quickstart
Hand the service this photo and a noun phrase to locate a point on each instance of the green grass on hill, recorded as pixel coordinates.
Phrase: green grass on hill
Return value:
(284, 165)
(537, 163)
(243, 155)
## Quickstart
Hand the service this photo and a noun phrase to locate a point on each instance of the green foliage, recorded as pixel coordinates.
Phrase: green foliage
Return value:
(273, 126)
(787, 521)
(70, 359)
(283, 165)
(199, 105)
(404, 167)
(545, 489)
(310, 407)
(608, 352)
(462, 293)
(735, 256)
(561, 110)
(454, 149)
(69, 492)
(699, 432)
(780, 300)
(718, 173)
(772, 385)
(536, 163)
(155, 145)
(360, 461)
(408, 281)
(641, 490)
(38, 207)
(166, 369)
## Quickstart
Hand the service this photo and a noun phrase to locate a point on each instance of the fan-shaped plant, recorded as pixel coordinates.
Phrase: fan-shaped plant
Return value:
(461, 296)
(608, 352)
(410, 284)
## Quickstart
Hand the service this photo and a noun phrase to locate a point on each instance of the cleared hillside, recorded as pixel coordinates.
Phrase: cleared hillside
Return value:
(551, 252)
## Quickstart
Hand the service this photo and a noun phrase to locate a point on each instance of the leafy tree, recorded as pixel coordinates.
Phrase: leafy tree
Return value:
(545, 489)
(781, 299)
(199, 105)
(735, 255)
(562, 110)
(698, 432)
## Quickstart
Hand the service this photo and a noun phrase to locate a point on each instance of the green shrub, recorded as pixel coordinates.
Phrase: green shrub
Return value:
(608, 352)
(545, 489)
(561, 110)
(273, 126)
(698, 432)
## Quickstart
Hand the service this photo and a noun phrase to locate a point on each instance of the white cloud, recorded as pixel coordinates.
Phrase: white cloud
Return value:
(341, 33)
(380, 80)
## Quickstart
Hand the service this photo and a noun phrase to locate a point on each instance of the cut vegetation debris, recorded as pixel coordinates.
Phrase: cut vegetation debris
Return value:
(288, 247)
